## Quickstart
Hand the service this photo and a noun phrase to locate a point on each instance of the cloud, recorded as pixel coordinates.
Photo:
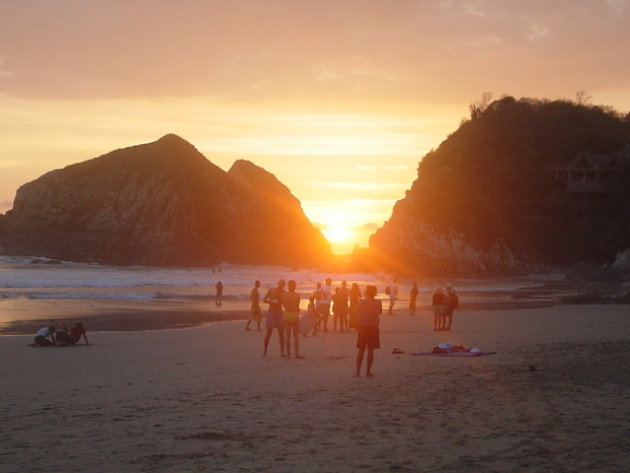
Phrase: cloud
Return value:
(360, 185)
(616, 5)
(536, 32)
(382, 167)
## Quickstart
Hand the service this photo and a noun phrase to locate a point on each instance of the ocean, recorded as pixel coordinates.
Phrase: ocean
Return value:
(33, 288)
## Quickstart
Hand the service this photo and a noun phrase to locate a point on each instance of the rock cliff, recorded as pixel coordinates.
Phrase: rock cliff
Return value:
(161, 203)
(496, 195)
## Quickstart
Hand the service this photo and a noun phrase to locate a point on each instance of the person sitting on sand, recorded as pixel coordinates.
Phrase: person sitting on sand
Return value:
(291, 304)
(65, 337)
(437, 303)
(275, 315)
(45, 336)
(255, 315)
(77, 332)
(368, 333)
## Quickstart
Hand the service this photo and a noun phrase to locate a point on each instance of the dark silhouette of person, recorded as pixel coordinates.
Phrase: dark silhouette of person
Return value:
(368, 336)
(218, 300)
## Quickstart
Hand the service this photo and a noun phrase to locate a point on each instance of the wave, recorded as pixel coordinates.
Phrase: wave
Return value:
(129, 296)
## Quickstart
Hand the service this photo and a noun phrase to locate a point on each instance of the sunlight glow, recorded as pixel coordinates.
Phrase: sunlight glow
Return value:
(337, 234)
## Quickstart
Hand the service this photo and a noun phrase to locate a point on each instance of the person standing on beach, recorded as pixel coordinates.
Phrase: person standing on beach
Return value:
(275, 315)
(451, 302)
(255, 315)
(413, 295)
(218, 299)
(392, 291)
(355, 298)
(291, 304)
(437, 303)
(323, 306)
(342, 306)
(368, 334)
(317, 297)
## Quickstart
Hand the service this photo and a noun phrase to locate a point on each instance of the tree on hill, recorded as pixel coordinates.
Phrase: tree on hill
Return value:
(493, 180)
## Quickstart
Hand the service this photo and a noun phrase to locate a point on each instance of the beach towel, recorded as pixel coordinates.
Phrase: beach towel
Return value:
(456, 354)
(450, 349)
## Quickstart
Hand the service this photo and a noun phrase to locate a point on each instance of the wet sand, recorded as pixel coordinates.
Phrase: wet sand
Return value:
(554, 398)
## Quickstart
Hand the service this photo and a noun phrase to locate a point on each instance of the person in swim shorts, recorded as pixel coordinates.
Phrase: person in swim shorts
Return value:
(291, 304)
(275, 315)
(368, 333)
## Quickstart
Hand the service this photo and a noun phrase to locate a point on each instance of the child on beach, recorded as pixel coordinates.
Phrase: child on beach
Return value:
(309, 320)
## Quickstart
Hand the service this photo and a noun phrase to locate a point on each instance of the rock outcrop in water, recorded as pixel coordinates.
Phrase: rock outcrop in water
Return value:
(163, 204)
(502, 192)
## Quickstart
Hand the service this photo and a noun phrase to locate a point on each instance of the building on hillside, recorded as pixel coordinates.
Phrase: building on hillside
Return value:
(594, 174)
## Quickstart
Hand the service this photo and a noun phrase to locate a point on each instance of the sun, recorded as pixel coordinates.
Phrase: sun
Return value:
(337, 234)
(342, 240)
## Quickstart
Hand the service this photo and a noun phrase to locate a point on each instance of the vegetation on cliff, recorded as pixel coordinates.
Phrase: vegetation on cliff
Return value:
(496, 182)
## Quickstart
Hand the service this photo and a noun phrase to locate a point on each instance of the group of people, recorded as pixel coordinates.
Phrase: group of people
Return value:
(49, 336)
(350, 310)
(445, 300)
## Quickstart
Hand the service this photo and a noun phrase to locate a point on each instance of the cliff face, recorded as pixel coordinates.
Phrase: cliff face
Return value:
(161, 203)
(489, 199)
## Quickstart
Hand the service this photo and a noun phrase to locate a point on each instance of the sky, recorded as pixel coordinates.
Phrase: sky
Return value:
(340, 99)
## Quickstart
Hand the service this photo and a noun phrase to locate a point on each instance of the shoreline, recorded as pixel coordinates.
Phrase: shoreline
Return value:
(132, 320)
(24, 317)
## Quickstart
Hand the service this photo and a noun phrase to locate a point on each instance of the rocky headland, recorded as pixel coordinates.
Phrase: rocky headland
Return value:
(162, 204)
(521, 185)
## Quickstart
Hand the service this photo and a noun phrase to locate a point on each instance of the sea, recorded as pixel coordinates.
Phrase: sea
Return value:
(35, 288)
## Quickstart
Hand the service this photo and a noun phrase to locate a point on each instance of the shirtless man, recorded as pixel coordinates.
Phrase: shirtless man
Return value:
(291, 304)
(275, 315)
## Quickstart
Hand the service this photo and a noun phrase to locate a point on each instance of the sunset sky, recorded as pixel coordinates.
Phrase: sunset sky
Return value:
(340, 99)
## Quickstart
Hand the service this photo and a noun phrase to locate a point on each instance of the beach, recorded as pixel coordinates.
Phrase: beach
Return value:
(554, 398)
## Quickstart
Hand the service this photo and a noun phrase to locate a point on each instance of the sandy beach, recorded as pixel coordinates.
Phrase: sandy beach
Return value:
(553, 399)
